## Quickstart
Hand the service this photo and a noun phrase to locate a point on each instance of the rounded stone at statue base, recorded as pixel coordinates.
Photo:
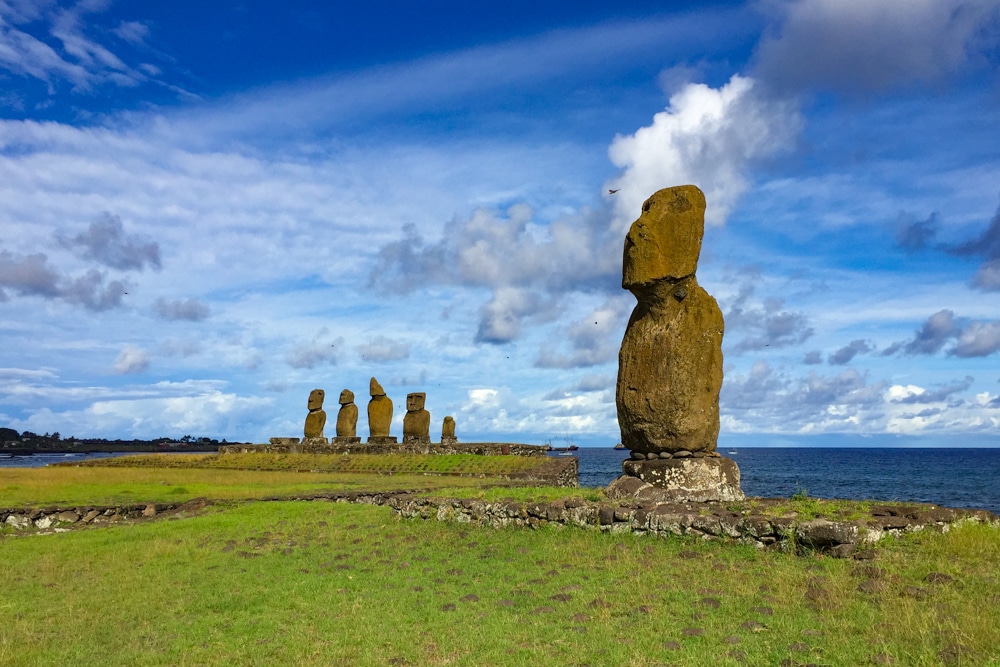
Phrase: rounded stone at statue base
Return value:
(678, 480)
(383, 440)
(346, 440)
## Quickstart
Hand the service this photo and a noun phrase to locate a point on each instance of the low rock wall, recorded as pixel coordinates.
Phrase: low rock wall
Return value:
(479, 448)
(702, 520)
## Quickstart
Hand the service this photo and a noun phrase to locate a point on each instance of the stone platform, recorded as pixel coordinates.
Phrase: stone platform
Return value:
(289, 446)
(707, 479)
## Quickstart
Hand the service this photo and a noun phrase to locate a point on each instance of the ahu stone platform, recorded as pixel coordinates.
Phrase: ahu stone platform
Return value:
(291, 446)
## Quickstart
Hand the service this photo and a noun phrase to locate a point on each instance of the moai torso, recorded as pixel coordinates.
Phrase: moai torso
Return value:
(347, 417)
(316, 419)
(416, 421)
(670, 363)
(448, 429)
(379, 411)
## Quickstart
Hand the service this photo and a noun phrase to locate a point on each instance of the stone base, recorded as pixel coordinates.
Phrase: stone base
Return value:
(416, 440)
(678, 480)
(346, 440)
(448, 441)
(383, 440)
(315, 441)
(284, 441)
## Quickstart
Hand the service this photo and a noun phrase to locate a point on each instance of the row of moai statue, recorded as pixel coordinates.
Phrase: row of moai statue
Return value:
(416, 422)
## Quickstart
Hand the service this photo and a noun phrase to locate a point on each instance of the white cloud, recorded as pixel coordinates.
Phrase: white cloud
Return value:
(131, 360)
(707, 137)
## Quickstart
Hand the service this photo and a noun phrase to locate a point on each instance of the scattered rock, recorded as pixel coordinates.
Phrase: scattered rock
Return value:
(692, 632)
(938, 578)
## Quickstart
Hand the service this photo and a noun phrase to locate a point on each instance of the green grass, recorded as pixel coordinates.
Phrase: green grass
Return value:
(354, 463)
(20, 487)
(316, 583)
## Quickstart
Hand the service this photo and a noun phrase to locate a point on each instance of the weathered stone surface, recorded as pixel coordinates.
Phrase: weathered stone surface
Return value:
(316, 419)
(347, 417)
(670, 363)
(379, 411)
(448, 429)
(417, 420)
(284, 441)
(678, 480)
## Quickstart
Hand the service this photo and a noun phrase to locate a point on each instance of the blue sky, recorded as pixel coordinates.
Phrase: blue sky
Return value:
(206, 211)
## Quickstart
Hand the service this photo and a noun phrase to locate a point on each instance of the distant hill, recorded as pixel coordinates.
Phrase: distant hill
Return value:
(12, 442)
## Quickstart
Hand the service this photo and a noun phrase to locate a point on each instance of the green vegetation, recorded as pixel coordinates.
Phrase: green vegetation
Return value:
(22, 487)
(313, 583)
(523, 493)
(469, 464)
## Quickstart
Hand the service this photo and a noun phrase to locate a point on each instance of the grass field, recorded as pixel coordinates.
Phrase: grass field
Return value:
(317, 583)
(320, 583)
(21, 487)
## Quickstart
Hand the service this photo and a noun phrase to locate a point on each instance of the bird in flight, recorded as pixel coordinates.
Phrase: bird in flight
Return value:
(611, 192)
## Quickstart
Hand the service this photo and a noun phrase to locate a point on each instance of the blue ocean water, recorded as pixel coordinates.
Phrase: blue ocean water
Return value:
(968, 478)
(951, 477)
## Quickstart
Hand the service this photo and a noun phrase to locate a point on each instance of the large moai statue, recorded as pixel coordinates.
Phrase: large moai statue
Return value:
(379, 415)
(347, 419)
(670, 363)
(316, 419)
(416, 421)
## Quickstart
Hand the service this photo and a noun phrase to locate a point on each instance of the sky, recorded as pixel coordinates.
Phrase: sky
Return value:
(209, 209)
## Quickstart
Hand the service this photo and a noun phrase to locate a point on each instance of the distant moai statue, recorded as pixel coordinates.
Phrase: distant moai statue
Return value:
(448, 430)
(316, 419)
(347, 419)
(417, 421)
(379, 415)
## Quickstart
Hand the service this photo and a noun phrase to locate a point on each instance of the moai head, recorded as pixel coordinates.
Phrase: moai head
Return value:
(346, 397)
(316, 397)
(375, 389)
(665, 242)
(415, 401)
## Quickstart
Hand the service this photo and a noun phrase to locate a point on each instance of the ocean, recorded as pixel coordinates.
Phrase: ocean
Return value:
(967, 478)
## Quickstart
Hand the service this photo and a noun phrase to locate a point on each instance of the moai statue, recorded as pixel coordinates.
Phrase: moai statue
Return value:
(379, 415)
(347, 419)
(670, 363)
(448, 430)
(316, 419)
(417, 421)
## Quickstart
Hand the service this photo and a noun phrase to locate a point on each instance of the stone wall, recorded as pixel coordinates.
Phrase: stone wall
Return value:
(479, 448)
(701, 520)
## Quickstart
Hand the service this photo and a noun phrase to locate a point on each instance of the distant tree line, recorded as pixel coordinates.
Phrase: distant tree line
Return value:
(11, 441)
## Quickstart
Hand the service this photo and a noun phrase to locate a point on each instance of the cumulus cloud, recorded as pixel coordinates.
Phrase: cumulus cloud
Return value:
(986, 245)
(316, 352)
(766, 324)
(815, 403)
(973, 338)
(105, 241)
(31, 275)
(868, 47)
(845, 354)
(522, 262)
(381, 348)
(911, 395)
(191, 309)
(812, 358)
(591, 341)
(131, 360)
(706, 136)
